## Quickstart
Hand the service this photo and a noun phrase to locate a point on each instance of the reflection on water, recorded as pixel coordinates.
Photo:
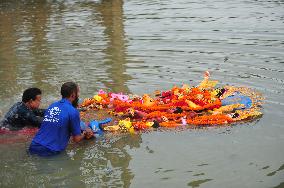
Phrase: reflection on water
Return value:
(104, 162)
(112, 19)
(24, 52)
(107, 162)
(138, 46)
(46, 44)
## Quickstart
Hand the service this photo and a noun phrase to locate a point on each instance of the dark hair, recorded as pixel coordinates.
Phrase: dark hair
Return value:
(68, 88)
(30, 93)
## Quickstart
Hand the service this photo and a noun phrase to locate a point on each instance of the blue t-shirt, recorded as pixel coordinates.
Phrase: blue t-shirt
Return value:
(60, 120)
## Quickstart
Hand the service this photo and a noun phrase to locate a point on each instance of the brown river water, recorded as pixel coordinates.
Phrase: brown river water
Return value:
(138, 46)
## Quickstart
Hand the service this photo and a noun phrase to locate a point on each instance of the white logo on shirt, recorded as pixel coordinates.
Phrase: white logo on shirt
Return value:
(52, 115)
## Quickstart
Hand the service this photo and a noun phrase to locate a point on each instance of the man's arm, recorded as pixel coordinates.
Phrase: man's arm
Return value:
(76, 128)
(39, 112)
(78, 138)
(32, 119)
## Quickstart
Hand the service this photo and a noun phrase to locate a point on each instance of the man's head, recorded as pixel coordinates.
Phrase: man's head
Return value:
(70, 90)
(32, 98)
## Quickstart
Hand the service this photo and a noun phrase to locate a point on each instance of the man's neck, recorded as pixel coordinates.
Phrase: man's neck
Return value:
(27, 105)
(69, 99)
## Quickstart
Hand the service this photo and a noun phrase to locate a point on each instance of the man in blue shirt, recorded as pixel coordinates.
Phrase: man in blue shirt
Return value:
(61, 120)
(26, 112)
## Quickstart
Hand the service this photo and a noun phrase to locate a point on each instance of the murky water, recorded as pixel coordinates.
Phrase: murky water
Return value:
(138, 46)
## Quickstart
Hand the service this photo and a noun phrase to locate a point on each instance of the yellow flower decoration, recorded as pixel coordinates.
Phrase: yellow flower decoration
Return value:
(98, 98)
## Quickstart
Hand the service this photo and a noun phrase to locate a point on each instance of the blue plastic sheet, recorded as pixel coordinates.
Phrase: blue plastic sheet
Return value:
(96, 125)
(237, 98)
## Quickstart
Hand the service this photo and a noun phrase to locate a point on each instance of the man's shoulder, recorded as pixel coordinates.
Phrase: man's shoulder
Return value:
(14, 109)
(54, 104)
(15, 115)
(62, 105)
(16, 106)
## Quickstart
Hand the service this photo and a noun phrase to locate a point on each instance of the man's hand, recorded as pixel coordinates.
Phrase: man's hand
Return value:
(88, 133)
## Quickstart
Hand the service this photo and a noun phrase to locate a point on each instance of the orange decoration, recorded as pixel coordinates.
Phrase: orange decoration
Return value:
(192, 105)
